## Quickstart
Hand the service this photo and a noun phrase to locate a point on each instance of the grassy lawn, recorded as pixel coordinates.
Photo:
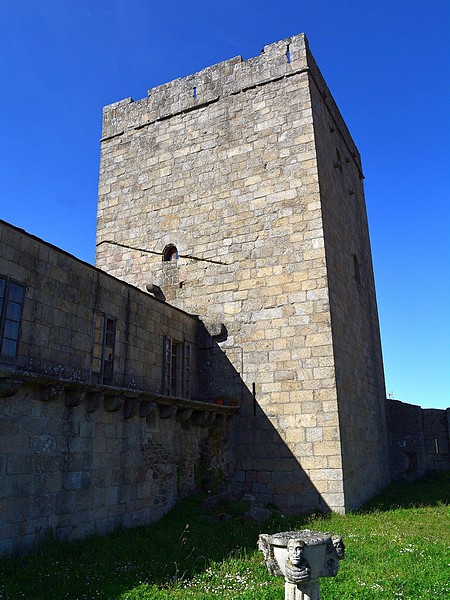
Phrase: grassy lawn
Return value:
(397, 546)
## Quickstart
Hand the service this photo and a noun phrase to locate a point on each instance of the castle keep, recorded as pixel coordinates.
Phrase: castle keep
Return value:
(236, 194)
(230, 336)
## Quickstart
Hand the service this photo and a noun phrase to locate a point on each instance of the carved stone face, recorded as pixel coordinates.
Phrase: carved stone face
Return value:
(295, 552)
(339, 546)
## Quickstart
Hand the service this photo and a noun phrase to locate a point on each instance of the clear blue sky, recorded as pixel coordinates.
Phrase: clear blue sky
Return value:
(386, 63)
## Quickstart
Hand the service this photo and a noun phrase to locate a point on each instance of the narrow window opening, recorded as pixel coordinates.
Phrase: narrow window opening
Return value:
(338, 161)
(186, 383)
(288, 54)
(357, 268)
(194, 92)
(175, 375)
(103, 348)
(170, 253)
(436, 445)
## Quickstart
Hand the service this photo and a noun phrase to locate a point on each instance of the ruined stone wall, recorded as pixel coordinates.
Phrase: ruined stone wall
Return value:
(357, 353)
(436, 428)
(419, 439)
(228, 174)
(78, 457)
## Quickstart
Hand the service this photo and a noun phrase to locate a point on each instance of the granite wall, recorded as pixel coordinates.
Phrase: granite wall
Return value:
(419, 439)
(235, 166)
(79, 456)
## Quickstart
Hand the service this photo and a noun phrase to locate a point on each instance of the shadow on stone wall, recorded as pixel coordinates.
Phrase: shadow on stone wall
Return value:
(267, 468)
(263, 463)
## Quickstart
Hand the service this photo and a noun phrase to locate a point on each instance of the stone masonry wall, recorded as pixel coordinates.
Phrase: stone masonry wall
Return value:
(73, 471)
(419, 440)
(357, 353)
(228, 174)
(78, 457)
(436, 427)
(58, 316)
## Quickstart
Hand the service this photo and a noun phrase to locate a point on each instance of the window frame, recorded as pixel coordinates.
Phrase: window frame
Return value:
(6, 301)
(103, 348)
(176, 379)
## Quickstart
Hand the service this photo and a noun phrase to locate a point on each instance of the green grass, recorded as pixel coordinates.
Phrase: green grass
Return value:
(397, 546)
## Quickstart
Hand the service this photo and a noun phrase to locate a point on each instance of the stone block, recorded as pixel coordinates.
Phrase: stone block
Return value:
(313, 434)
(326, 448)
(16, 465)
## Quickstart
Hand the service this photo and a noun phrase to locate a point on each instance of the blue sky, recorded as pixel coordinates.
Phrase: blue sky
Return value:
(386, 63)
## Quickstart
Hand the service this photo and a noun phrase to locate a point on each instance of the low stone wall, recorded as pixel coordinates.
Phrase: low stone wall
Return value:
(418, 439)
(78, 459)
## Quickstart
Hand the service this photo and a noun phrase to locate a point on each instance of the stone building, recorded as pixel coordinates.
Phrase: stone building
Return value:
(239, 192)
(103, 423)
(229, 333)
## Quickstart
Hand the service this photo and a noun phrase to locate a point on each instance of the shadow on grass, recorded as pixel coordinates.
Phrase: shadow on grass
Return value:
(429, 491)
(179, 547)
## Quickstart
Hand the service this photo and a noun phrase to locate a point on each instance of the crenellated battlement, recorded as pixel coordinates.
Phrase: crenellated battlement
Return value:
(281, 59)
(285, 58)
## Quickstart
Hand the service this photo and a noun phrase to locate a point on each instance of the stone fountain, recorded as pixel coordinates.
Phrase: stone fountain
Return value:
(301, 557)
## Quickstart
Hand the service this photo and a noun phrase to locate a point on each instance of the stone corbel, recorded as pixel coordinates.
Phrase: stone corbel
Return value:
(209, 418)
(130, 408)
(184, 414)
(167, 411)
(146, 408)
(198, 416)
(51, 393)
(93, 401)
(113, 403)
(219, 420)
(74, 397)
(9, 387)
(216, 330)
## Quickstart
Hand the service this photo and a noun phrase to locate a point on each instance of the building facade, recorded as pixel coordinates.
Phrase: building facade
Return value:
(238, 192)
(102, 421)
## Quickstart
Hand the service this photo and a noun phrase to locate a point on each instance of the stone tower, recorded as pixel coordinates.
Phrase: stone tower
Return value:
(238, 191)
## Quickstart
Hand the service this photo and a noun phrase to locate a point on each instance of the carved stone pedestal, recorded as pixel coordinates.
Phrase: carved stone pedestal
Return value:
(309, 591)
(301, 557)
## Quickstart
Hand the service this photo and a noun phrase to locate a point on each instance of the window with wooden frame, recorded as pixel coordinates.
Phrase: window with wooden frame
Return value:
(103, 348)
(177, 368)
(11, 303)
